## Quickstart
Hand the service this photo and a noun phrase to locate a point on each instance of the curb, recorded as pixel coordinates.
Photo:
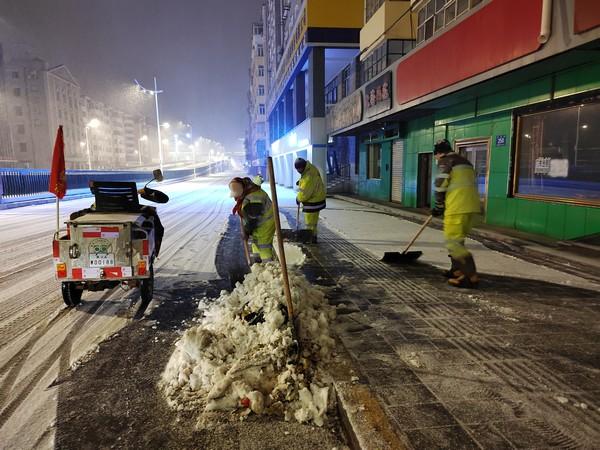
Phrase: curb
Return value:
(364, 422)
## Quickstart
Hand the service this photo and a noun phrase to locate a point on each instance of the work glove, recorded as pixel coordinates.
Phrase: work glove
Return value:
(437, 212)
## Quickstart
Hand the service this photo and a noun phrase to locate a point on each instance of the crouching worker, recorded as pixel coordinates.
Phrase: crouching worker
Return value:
(311, 194)
(256, 210)
(457, 199)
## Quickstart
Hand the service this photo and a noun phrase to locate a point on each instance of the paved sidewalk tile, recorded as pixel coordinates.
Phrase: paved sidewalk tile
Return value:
(512, 365)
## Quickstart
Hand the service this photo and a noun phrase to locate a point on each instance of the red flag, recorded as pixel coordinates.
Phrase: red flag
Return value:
(58, 176)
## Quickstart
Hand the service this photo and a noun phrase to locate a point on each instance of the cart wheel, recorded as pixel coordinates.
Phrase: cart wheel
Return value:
(147, 287)
(71, 295)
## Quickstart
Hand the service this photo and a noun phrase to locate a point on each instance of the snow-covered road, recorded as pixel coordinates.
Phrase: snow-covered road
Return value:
(40, 340)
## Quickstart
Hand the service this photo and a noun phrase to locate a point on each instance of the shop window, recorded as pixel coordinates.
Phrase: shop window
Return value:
(374, 161)
(558, 154)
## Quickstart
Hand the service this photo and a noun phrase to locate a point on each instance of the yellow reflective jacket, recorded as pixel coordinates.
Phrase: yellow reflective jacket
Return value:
(456, 186)
(257, 211)
(311, 191)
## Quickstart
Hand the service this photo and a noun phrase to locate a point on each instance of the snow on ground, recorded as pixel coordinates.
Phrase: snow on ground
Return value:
(241, 356)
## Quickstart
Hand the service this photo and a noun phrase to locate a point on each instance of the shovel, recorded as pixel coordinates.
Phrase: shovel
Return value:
(406, 256)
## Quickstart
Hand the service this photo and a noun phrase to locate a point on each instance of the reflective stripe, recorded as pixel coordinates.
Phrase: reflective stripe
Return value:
(441, 189)
(265, 245)
(443, 175)
(454, 186)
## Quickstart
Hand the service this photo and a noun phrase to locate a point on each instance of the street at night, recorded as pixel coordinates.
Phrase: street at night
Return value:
(300, 224)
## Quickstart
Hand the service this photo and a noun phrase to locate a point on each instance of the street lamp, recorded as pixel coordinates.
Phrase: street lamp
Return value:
(94, 123)
(154, 93)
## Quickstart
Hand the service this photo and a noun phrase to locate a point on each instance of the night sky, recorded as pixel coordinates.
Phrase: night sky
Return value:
(199, 49)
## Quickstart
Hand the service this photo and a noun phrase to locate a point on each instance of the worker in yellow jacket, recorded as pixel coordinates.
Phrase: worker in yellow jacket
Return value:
(311, 194)
(457, 199)
(256, 210)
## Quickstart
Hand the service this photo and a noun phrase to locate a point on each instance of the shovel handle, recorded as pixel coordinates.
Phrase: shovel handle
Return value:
(245, 243)
(298, 218)
(410, 244)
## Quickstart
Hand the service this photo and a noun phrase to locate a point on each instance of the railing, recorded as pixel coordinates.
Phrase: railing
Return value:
(29, 182)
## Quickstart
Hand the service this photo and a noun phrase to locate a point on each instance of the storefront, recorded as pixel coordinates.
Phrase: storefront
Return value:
(535, 148)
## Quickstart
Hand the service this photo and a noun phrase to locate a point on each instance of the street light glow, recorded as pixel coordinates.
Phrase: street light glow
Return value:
(166, 125)
(94, 123)
(144, 138)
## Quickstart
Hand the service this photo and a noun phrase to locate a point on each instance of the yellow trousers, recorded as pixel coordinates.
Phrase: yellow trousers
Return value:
(262, 241)
(311, 219)
(456, 229)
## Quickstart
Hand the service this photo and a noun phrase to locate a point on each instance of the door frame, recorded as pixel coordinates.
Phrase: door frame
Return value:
(420, 156)
(487, 140)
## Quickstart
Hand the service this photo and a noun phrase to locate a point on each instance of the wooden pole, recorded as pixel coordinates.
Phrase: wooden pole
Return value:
(284, 272)
(245, 243)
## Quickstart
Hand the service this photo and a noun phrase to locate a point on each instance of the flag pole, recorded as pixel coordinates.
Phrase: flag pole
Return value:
(57, 215)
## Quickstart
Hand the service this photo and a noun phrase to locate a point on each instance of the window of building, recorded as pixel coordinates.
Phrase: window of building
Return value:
(435, 15)
(260, 50)
(260, 128)
(374, 64)
(261, 108)
(21, 129)
(397, 48)
(17, 92)
(23, 147)
(261, 71)
(15, 75)
(371, 8)
(18, 110)
(346, 81)
(558, 153)
(374, 161)
(261, 89)
(331, 92)
(261, 149)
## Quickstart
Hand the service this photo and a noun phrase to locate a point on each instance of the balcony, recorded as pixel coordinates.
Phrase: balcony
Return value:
(392, 20)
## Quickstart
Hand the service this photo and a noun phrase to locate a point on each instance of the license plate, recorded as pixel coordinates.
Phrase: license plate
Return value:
(103, 260)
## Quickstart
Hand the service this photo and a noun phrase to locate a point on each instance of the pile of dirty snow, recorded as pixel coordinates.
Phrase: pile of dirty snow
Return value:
(240, 356)
(294, 255)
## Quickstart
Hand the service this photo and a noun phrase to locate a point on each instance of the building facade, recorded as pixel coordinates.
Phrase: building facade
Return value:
(256, 144)
(307, 44)
(522, 106)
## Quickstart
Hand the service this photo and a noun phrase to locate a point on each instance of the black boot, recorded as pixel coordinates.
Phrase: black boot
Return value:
(454, 271)
(468, 278)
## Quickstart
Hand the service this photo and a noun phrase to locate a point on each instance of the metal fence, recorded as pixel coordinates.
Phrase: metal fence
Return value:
(29, 182)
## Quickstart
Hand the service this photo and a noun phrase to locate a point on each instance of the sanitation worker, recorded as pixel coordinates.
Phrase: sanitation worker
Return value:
(311, 194)
(255, 208)
(457, 199)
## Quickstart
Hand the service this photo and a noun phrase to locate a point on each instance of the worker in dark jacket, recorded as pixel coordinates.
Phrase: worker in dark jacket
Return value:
(457, 199)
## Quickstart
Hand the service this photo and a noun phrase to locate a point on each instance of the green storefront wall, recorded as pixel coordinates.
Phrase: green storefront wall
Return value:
(375, 189)
(490, 116)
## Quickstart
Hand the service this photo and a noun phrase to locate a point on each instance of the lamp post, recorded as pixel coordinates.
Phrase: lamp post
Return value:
(155, 93)
(94, 123)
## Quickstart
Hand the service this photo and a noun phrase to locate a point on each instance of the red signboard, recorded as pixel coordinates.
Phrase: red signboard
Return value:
(587, 15)
(499, 32)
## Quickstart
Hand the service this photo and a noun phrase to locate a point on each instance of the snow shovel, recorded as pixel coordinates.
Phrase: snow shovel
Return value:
(298, 235)
(406, 256)
(245, 243)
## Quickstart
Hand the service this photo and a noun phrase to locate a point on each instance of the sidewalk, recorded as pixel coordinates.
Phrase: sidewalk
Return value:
(570, 256)
(511, 365)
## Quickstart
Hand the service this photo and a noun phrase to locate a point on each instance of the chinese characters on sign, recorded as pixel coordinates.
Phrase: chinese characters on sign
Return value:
(555, 168)
(378, 95)
(347, 112)
(500, 140)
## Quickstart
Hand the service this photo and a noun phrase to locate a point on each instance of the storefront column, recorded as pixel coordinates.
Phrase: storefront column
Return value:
(299, 98)
(316, 82)
(289, 110)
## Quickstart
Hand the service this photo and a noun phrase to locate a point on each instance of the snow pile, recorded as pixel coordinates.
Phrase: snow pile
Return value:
(241, 355)
(294, 255)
